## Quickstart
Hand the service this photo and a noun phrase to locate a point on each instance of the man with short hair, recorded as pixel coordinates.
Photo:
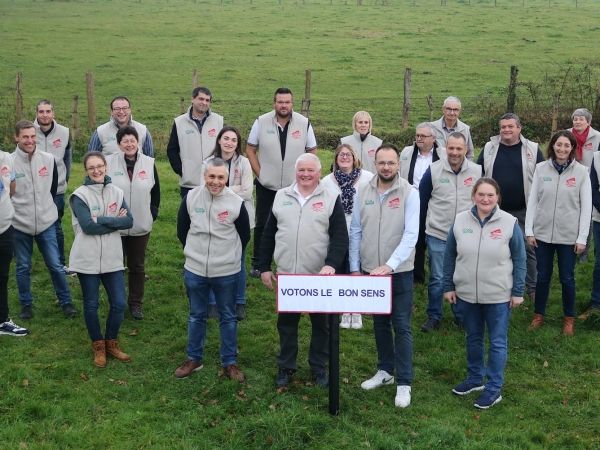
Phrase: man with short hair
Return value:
(193, 139)
(54, 139)
(213, 227)
(35, 214)
(445, 191)
(104, 138)
(449, 123)
(275, 142)
(383, 234)
(307, 233)
(503, 158)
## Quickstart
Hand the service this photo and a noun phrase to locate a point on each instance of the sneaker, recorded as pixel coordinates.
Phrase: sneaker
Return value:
(12, 329)
(346, 321)
(487, 400)
(430, 325)
(68, 272)
(234, 373)
(26, 312)
(381, 378)
(136, 312)
(69, 310)
(212, 312)
(356, 322)
(321, 379)
(284, 376)
(402, 399)
(254, 272)
(466, 387)
(240, 311)
(189, 366)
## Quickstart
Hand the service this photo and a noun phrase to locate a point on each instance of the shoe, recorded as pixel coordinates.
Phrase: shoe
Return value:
(212, 312)
(487, 400)
(69, 310)
(536, 322)
(532, 296)
(430, 324)
(12, 329)
(26, 312)
(321, 379)
(284, 377)
(188, 366)
(466, 387)
(586, 314)
(68, 272)
(254, 272)
(568, 324)
(113, 349)
(136, 312)
(146, 277)
(381, 378)
(583, 259)
(356, 322)
(402, 399)
(240, 311)
(346, 321)
(99, 353)
(234, 373)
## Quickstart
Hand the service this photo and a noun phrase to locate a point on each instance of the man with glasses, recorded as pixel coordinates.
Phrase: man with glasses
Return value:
(275, 142)
(449, 123)
(104, 138)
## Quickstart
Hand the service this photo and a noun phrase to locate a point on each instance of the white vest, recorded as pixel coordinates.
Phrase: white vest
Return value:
(107, 133)
(590, 147)
(6, 208)
(55, 143)
(365, 149)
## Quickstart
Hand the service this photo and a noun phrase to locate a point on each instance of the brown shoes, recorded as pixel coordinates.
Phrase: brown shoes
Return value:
(99, 354)
(234, 373)
(568, 324)
(189, 366)
(113, 349)
(538, 321)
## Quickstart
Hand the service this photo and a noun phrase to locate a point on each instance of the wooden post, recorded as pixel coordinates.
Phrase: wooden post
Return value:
(597, 112)
(74, 118)
(306, 101)
(19, 101)
(512, 90)
(89, 81)
(406, 107)
(195, 79)
(430, 103)
(182, 105)
(554, 112)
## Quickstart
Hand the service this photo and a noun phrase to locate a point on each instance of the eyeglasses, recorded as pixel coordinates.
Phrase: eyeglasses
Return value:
(382, 164)
(123, 109)
(452, 110)
(423, 136)
(345, 155)
(93, 169)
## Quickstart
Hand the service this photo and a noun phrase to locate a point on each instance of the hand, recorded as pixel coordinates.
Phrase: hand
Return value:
(122, 212)
(579, 248)
(382, 270)
(95, 219)
(450, 296)
(531, 241)
(515, 301)
(267, 279)
(327, 270)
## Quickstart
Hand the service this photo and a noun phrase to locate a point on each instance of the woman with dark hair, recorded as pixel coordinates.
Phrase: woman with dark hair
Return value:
(558, 221)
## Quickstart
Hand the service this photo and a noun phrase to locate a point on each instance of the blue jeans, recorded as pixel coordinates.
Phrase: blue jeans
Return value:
(59, 201)
(596, 282)
(46, 243)
(114, 284)
(225, 289)
(396, 351)
(475, 317)
(241, 289)
(436, 248)
(566, 271)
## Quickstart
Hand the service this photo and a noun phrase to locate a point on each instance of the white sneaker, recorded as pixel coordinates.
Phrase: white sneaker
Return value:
(402, 399)
(345, 323)
(381, 378)
(356, 321)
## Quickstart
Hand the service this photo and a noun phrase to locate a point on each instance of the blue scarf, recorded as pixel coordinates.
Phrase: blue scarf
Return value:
(346, 184)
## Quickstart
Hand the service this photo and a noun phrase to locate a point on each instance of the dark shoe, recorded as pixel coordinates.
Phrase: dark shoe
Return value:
(26, 312)
(69, 272)
(240, 311)
(568, 324)
(284, 377)
(583, 259)
(430, 325)
(536, 322)
(189, 366)
(322, 379)
(466, 387)
(12, 329)
(487, 400)
(212, 312)
(254, 272)
(69, 310)
(234, 373)
(136, 312)
(113, 349)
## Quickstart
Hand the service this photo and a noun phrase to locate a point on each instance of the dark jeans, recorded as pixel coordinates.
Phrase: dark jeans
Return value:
(318, 353)
(134, 250)
(566, 272)
(596, 282)
(419, 270)
(531, 277)
(264, 203)
(6, 253)
(59, 201)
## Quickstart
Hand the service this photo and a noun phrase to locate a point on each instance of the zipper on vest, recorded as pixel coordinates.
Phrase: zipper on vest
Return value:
(34, 202)
(209, 235)
(130, 189)
(455, 194)
(477, 266)
(102, 236)
(554, 213)
(297, 233)
(379, 231)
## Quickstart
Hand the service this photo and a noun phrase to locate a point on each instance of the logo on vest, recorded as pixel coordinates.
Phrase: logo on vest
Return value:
(95, 208)
(529, 157)
(270, 131)
(142, 175)
(118, 173)
(468, 182)
(571, 182)
(394, 203)
(199, 210)
(546, 178)
(287, 203)
(110, 138)
(43, 172)
(223, 217)
(212, 132)
(5, 172)
(296, 134)
(496, 234)
(587, 147)
(444, 180)
(371, 153)
(112, 208)
(56, 143)
(236, 174)
(467, 230)
(317, 207)
(404, 158)
(19, 175)
(369, 202)
(189, 131)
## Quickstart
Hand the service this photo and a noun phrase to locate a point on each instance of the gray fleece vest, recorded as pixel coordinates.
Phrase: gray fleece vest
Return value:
(365, 149)
(590, 148)
(108, 136)
(6, 208)
(55, 143)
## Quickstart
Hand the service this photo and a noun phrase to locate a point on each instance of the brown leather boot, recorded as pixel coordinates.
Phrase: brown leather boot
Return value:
(536, 322)
(568, 324)
(113, 349)
(99, 354)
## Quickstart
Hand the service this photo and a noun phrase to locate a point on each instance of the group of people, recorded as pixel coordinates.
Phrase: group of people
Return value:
(377, 213)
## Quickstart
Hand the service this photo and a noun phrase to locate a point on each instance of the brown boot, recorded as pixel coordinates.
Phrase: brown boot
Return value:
(113, 349)
(568, 324)
(536, 322)
(99, 354)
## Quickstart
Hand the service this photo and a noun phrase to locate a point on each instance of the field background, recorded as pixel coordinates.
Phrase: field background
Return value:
(51, 396)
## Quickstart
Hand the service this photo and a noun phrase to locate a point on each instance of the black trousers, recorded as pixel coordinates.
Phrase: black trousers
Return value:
(419, 270)
(318, 353)
(264, 203)
(6, 254)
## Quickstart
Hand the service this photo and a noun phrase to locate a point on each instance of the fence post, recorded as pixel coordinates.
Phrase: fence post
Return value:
(406, 107)
(182, 105)
(195, 79)
(91, 101)
(19, 101)
(512, 90)
(430, 103)
(74, 118)
(306, 101)
(597, 112)
(554, 112)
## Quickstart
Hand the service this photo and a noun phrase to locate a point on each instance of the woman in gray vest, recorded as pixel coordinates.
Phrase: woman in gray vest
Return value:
(484, 276)
(363, 142)
(99, 212)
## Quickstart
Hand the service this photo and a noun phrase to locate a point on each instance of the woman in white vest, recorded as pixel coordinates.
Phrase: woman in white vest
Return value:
(484, 276)
(241, 181)
(135, 173)
(558, 217)
(362, 141)
(346, 177)
(99, 212)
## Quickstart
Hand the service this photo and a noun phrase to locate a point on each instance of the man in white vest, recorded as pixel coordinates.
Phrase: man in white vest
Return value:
(449, 123)
(104, 138)
(55, 139)
(275, 142)
(193, 139)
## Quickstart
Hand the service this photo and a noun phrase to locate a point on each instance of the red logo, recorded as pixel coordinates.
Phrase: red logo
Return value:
(5, 172)
(587, 147)
(43, 172)
(394, 203)
(496, 234)
(468, 182)
(236, 174)
(571, 182)
(317, 207)
(296, 134)
(529, 157)
(371, 153)
(142, 175)
(56, 143)
(113, 208)
(212, 132)
(223, 217)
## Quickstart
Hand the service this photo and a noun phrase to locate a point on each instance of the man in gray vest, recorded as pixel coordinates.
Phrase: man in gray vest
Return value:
(449, 123)
(104, 138)
(275, 142)
(445, 191)
(54, 139)
(193, 139)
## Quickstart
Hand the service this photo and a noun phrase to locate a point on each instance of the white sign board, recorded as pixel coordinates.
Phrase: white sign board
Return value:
(336, 294)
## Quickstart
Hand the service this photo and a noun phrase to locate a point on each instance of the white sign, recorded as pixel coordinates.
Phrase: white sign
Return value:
(335, 294)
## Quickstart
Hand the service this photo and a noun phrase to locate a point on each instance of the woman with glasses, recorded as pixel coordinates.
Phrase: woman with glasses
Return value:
(362, 141)
(557, 221)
